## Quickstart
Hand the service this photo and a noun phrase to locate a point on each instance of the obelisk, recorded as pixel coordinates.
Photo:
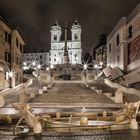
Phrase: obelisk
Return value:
(66, 54)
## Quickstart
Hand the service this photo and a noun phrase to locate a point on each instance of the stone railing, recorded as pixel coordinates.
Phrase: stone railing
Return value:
(122, 88)
(17, 88)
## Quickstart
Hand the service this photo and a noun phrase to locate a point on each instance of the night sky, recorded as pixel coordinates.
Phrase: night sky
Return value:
(34, 18)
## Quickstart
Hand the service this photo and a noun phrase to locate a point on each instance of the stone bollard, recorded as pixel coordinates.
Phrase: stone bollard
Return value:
(98, 91)
(2, 101)
(49, 86)
(104, 114)
(37, 129)
(40, 91)
(44, 88)
(83, 120)
(109, 95)
(93, 88)
(58, 115)
(119, 96)
(96, 77)
(32, 95)
(133, 124)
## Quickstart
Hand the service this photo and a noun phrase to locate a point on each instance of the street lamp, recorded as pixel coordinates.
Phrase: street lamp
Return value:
(10, 78)
(85, 66)
(51, 70)
(47, 68)
(10, 74)
(52, 66)
(33, 63)
(101, 63)
(85, 71)
(25, 63)
(96, 68)
(38, 66)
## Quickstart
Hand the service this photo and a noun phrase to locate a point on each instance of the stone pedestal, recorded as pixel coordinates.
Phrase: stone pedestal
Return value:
(94, 88)
(96, 77)
(44, 88)
(108, 94)
(58, 115)
(134, 124)
(37, 128)
(2, 101)
(40, 91)
(119, 96)
(98, 91)
(104, 114)
(32, 95)
(84, 121)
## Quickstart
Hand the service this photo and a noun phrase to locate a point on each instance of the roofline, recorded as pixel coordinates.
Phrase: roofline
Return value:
(4, 20)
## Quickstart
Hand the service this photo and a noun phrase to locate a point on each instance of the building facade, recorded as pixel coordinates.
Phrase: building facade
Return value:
(11, 49)
(100, 51)
(123, 43)
(73, 45)
(41, 58)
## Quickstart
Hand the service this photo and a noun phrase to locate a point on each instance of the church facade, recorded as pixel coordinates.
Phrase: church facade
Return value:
(58, 45)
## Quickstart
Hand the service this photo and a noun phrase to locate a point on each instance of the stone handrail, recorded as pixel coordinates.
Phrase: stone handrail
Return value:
(17, 88)
(122, 88)
(28, 83)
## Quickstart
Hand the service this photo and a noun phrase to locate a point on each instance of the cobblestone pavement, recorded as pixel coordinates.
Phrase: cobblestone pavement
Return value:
(117, 135)
(71, 93)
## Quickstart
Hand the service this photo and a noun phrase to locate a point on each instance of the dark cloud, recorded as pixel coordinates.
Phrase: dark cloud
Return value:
(35, 18)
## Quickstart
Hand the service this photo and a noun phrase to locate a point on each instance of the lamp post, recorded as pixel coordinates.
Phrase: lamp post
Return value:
(10, 78)
(38, 69)
(51, 70)
(96, 68)
(85, 71)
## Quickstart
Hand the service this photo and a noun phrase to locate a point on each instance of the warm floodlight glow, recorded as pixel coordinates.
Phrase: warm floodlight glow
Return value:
(33, 63)
(38, 66)
(85, 66)
(52, 66)
(10, 74)
(95, 66)
(47, 68)
(24, 63)
(101, 63)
